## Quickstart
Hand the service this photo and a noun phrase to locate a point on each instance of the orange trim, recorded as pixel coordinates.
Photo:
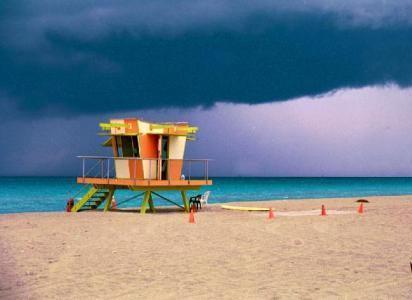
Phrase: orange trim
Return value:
(114, 147)
(139, 169)
(149, 146)
(175, 169)
(132, 126)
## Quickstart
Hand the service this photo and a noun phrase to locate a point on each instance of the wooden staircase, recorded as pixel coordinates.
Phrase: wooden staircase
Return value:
(93, 199)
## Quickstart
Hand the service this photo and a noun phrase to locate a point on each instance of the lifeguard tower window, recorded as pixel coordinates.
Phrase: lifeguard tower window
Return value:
(165, 156)
(128, 146)
(135, 147)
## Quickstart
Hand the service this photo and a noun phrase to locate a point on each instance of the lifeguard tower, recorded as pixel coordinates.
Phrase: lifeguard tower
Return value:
(147, 158)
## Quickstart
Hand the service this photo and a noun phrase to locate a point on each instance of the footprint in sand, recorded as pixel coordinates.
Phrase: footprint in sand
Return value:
(298, 242)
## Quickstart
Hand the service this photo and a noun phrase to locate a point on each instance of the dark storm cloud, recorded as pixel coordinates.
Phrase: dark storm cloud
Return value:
(107, 56)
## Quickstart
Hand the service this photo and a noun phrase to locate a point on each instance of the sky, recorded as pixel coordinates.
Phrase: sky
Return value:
(278, 88)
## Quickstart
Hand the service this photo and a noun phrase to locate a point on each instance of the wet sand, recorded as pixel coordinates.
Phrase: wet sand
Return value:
(225, 255)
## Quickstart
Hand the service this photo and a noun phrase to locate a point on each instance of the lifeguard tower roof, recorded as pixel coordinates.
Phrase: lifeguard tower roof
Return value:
(146, 157)
(138, 127)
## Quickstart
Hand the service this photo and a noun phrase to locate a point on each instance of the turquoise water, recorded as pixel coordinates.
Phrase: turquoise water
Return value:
(30, 194)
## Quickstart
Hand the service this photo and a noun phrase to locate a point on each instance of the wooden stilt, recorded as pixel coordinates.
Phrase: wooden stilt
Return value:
(184, 198)
(109, 200)
(145, 202)
(151, 205)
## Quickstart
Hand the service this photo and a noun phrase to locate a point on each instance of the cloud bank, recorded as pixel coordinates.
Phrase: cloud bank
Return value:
(93, 19)
(85, 56)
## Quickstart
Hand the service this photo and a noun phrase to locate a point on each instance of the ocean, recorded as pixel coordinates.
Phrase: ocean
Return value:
(41, 194)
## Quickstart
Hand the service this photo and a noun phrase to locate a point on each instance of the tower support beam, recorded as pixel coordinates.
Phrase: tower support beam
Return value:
(143, 207)
(109, 200)
(185, 202)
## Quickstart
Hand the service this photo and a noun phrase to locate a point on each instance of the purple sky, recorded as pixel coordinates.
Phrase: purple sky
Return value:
(352, 132)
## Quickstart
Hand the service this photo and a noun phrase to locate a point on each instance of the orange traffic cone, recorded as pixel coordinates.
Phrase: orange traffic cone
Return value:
(360, 208)
(192, 215)
(271, 214)
(323, 213)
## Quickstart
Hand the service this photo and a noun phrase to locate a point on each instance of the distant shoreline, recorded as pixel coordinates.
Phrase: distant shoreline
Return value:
(256, 203)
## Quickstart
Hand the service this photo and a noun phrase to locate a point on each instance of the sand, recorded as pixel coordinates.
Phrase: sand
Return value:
(225, 255)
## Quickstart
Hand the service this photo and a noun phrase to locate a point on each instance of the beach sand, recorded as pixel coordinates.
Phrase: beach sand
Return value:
(225, 255)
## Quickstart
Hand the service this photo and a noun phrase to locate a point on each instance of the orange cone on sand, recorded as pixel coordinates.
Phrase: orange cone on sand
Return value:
(360, 208)
(271, 214)
(192, 215)
(323, 213)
